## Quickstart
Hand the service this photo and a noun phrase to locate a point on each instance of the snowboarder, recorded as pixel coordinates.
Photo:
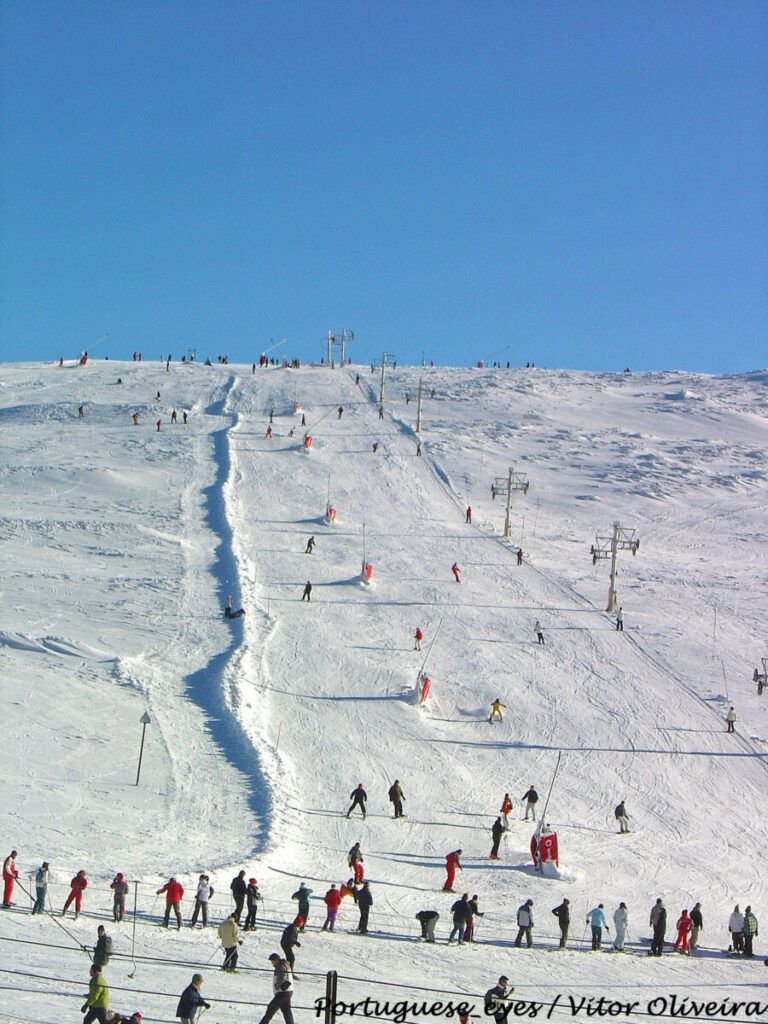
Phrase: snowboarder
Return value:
(42, 877)
(307, 592)
(658, 921)
(173, 892)
(302, 894)
(290, 938)
(78, 885)
(97, 1000)
(683, 929)
(496, 710)
(396, 798)
(750, 931)
(190, 999)
(332, 900)
(103, 948)
(461, 912)
(697, 925)
(451, 863)
(418, 636)
(495, 999)
(497, 832)
(620, 922)
(239, 888)
(428, 919)
(730, 720)
(519, 556)
(539, 632)
(202, 896)
(10, 874)
(308, 550)
(525, 923)
(506, 807)
(120, 888)
(355, 861)
(620, 620)
(596, 918)
(474, 911)
(456, 570)
(365, 902)
(622, 817)
(531, 798)
(563, 915)
(736, 928)
(282, 987)
(468, 514)
(229, 933)
(252, 897)
(358, 797)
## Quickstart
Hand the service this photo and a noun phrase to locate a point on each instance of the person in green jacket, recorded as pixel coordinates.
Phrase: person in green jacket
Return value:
(750, 931)
(97, 1001)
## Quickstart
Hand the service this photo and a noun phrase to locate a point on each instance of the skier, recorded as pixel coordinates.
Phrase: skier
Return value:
(78, 885)
(736, 928)
(190, 999)
(174, 418)
(451, 863)
(159, 424)
(97, 1000)
(697, 925)
(418, 636)
(497, 832)
(283, 991)
(730, 719)
(539, 633)
(418, 448)
(496, 710)
(381, 412)
(173, 892)
(469, 934)
(495, 998)
(10, 874)
(252, 896)
(375, 447)
(468, 514)
(271, 415)
(461, 912)
(302, 894)
(103, 948)
(268, 434)
(349, 888)
(341, 411)
(365, 902)
(683, 928)
(519, 556)
(135, 419)
(239, 887)
(120, 888)
(42, 877)
(525, 923)
(506, 807)
(229, 933)
(456, 570)
(184, 417)
(332, 900)
(307, 592)
(355, 861)
(622, 817)
(531, 798)
(396, 797)
(596, 918)
(563, 915)
(80, 412)
(203, 894)
(620, 620)
(658, 922)
(620, 922)
(428, 919)
(290, 938)
(750, 931)
(308, 550)
(358, 797)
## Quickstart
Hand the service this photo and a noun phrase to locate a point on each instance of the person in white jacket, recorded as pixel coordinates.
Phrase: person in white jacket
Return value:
(736, 928)
(282, 986)
(620, 922)
(203, 894)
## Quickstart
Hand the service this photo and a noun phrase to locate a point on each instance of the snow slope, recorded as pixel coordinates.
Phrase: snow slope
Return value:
(120, 544)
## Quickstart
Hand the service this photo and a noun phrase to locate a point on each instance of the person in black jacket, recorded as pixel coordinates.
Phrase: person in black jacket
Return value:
(497, 832)
(659, 924)
(239, 891)
(563, 915)
(190, 1000)
(358, 797)
(365, 902)
(461, 912)
(496, 997)
(428, 919)
(252, 896)
(531, 798)
(697, 922)
(474, 911)
(290, 938)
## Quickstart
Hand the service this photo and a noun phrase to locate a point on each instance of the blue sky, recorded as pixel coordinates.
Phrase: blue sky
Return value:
(580, 184)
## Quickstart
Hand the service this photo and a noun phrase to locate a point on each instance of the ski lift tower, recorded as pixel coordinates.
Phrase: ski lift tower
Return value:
(340, 340)
(506, 486)
(609, 547)
(386, 361)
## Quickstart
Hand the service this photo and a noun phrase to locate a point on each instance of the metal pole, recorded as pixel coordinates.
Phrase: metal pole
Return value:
(343, 343)
(331, 980)
(614, 550)
(418, 409)
(426, 656)
(145, 720)
(383, 364)
(330, 336)
(507, 521)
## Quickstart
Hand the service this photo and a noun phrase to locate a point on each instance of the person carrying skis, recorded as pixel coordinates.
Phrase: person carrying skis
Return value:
(596, 918)
(697, 925)
(203, 894)
(658, 921)
(531, 798)
(302, 894)
(451, 863)
(563, 915)
(418, 636)
(10, 874)
(461, 912)
(474, 911)
(525, 923)
(456, 570)
(539, 632)
(620, 923)
(120, 888)
(307, 592)
(622, 817)
(355, 861)
(173, 892)
(97, 1000)
(103, 948)
(77, 887)
(290, 938)
(42, 877)
(252, 897)
(332, 900)
(496, 707)
(309, 549)
(506, 807)
(364, 902)
(749, 932)
(396, 798)
(428, 919)
(358, 797)
(497, 832)
(190, 1000)
(282, 986)
(683, 929)
(229, 933)
(239, 888)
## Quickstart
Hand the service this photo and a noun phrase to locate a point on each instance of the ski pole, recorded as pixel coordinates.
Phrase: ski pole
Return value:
(584, 936)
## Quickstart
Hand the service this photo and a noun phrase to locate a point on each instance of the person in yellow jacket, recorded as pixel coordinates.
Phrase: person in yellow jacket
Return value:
(97, 1001)
(229, 932)
(496, 710)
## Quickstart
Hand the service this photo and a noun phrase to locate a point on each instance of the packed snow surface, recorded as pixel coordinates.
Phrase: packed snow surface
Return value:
(121, 544)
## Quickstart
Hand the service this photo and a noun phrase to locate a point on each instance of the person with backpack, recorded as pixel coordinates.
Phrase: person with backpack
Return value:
(103, 949)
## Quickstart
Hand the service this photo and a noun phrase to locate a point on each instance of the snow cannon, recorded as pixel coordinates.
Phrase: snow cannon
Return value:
(297, 406)
(307, 441)
(544, 848)
(425, 684)
(367, 570)
(330, 514)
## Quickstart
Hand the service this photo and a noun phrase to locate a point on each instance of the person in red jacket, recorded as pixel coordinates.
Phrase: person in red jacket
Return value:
(173, 892)
(451, 863)
(10, 874)
(469, 514)
(455, 570)
(418, 636)
(332, 900)
(684, 925)
(78, 885)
